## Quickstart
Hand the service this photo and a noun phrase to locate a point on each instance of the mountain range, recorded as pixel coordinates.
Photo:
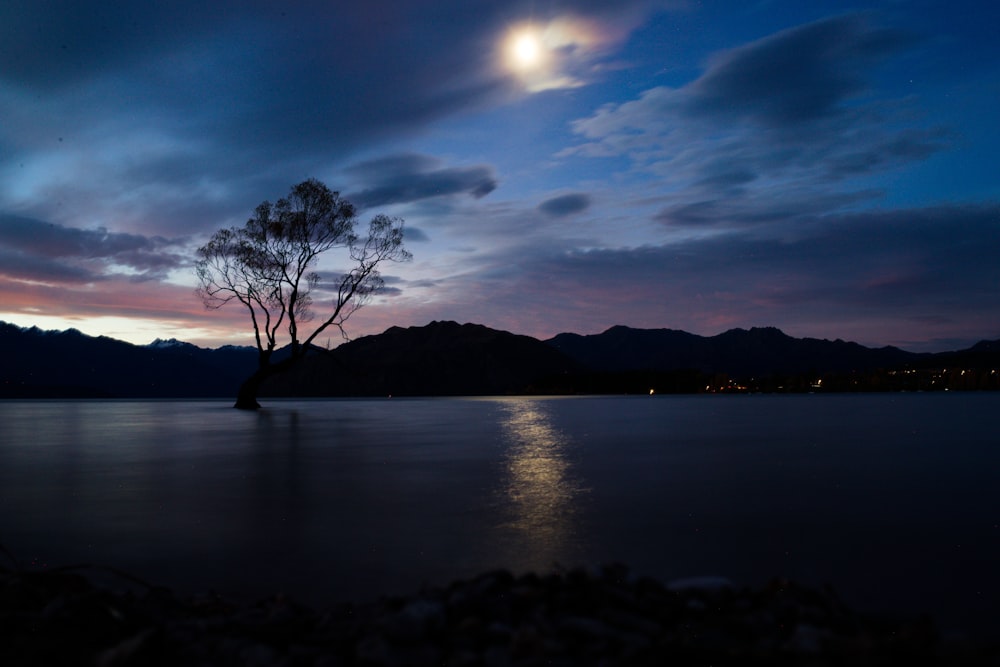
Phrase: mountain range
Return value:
(448, 359)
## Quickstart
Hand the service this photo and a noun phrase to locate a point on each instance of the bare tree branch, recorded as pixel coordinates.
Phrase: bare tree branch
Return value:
(268, 266)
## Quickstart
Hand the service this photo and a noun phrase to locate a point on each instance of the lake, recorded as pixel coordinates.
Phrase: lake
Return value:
(892, 498)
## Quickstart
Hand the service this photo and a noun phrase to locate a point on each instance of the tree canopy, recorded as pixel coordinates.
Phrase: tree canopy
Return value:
(269, 267)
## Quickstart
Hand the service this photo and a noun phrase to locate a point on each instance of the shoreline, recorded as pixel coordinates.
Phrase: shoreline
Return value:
(606, 616)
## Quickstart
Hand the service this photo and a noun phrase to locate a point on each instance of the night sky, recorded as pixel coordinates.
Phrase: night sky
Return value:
(829, 169)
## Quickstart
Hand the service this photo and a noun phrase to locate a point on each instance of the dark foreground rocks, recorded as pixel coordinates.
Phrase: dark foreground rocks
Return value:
(601, 617)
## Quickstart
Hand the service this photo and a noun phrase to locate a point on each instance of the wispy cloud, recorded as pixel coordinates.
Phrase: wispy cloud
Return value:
(568, 204)
(782, 126)
(409, 177)
(46, 252)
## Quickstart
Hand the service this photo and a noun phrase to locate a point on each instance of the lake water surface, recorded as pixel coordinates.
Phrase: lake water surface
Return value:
(894, 499)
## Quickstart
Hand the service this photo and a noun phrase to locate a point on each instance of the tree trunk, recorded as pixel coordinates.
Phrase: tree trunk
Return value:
(246, 398)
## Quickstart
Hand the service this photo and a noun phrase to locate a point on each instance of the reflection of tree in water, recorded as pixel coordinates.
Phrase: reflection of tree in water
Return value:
(539, 488)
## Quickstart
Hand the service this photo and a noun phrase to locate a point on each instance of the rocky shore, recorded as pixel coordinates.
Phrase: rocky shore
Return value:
(607, 616)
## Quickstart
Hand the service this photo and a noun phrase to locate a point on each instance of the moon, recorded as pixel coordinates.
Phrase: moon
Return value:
(525, 50)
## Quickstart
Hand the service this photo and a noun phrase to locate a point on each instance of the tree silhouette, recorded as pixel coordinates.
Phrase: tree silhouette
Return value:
(268, 266)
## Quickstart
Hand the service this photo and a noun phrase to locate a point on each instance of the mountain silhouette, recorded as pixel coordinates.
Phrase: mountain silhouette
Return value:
(70, 364)
(439, 359)
(451, 359)
(757, 351)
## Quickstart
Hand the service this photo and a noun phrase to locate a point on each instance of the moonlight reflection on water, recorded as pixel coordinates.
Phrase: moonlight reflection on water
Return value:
(541, 490)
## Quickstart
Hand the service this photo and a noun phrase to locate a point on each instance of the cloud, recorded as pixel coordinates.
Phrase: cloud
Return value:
(723, 208)
(797, 76)
(23, 267)
(409, 177)
(41, 251)
(791, 115)
(563, 205)
(794, 78)
(413, 234)
(58, 241)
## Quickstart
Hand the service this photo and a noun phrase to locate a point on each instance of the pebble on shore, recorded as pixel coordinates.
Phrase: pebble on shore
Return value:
(605, 616)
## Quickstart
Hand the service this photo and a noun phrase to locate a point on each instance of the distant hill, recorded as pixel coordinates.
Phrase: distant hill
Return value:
(440, 359)
(984, 354)
(448, 359)
(758, 351)
(69, 364)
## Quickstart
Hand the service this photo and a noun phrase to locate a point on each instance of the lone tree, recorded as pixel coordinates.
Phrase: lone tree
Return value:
(268, 266)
